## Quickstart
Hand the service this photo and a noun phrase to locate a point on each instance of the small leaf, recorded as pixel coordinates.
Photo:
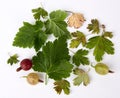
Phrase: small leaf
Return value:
(79, 58)
(108, 34)
(94, 26)
(80, 38)
(82, 77)
(13, 59)
(76, 20)
(39, 12)
(62, 85)
(101, 46)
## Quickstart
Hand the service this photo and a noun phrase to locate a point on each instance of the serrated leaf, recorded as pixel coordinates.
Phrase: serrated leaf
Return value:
(39, 12)
(82, 77)
(76, 20)
(62, 85)
(80, 38)
(13, 59)
(56, 24)
(108, 34)
(40, 39)
(54, 60)
(58, 15)
(30, 36)
(101, 46)
(94, 26)
(80, 58)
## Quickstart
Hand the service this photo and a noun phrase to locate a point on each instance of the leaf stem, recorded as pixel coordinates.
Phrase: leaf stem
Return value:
(46, 79)
(92, 65)
(69, 11)
(72, 51)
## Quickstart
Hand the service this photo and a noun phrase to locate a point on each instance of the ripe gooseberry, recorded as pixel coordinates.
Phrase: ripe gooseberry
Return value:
(25, 64)
(33, 78)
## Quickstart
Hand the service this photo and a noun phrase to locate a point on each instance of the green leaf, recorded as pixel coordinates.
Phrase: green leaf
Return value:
(13, 59)
(39, 12)
(108, 34)
(30, 36)
(62, 85)
(79, 58)
(80, 38)
(82, 77)
(94, 26)
(56, 24)
(54, 60)
(58, 15)
(101, 46)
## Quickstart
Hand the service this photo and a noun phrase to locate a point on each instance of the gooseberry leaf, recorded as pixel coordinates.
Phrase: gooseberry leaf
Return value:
(79, 38)
(108, 34)
(94, 26)
(101, 45)
(13, 59)
(56, 24)
(76, 20)
(80, 57)
(82, 77)
(39, 12)
(54, 60)
(30, 35)
(62, 85)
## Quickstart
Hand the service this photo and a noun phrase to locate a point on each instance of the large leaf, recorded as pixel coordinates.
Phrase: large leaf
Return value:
(54, 60)
(56, 24)
(30, 36)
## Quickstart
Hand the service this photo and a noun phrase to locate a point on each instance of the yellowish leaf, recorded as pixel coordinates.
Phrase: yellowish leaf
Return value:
(76, 20)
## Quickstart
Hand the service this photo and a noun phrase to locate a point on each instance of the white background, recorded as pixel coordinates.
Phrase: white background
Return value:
(12, 15)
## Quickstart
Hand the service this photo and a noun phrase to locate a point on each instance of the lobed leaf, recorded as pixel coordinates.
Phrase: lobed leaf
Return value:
(30, 36)
(101, 46)
(62, 85)
(39, 12)
(94, 26)
(82, 77)
(54, 60)
(80, 38)
(13, 59)
(56, 24)
(79, 57)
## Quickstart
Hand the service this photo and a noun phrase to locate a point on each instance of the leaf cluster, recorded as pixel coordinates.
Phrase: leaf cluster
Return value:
(53, 57)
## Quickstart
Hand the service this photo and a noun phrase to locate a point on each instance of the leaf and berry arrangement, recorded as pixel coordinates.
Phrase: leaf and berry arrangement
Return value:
(53, 57)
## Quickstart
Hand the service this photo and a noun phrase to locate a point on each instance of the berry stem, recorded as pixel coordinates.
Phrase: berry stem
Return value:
(40, 80)
(18, 69)
(111, 71)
